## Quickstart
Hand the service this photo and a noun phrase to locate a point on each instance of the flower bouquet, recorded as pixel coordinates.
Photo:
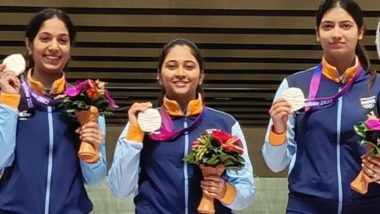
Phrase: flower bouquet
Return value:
(86, 100)
(369, 132)
(217, 150)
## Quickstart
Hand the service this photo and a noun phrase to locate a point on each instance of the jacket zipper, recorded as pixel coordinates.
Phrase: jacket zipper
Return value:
(50, 160)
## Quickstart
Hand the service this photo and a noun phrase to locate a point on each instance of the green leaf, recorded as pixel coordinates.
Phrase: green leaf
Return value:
(361, 129)
(209, 152)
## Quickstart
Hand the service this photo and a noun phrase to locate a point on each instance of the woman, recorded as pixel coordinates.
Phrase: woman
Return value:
(319, 145)
(153, 170)
(39, 143)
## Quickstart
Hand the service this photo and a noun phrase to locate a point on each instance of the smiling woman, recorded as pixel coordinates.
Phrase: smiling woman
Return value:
(50, 51)
(151, 165)
(319, 144)
(38, 148)
(180, 75)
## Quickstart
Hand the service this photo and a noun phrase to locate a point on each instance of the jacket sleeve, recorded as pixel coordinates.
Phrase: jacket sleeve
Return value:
(96, 172)
(242, 180)
(124, 173)
(8, 126)
(278, 157)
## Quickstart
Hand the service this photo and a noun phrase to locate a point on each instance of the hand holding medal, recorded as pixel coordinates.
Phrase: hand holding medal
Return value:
(149, 120)
(11, 67)
(15, 63)
(295, 97)
(292, 100)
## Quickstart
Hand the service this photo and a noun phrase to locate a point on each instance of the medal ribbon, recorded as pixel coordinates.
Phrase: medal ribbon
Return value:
(33, 96)
(167, 132)
(312, 101)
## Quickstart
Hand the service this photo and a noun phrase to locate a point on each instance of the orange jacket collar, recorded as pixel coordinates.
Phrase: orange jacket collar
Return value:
(57, 88)
(194, 107)
(332, 73)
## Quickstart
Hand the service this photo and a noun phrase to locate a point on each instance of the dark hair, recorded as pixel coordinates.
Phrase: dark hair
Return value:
(165, 51)
(46, 14)
(352, 8)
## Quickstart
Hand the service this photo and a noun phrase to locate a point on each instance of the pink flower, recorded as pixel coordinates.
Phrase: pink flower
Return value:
(373, 124)
(75, 90)
(72, 91)
(110, 101)
(85, 94)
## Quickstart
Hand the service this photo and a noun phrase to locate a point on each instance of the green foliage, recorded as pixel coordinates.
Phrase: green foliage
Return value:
(369, 132)
(211, 151)
(85, 94)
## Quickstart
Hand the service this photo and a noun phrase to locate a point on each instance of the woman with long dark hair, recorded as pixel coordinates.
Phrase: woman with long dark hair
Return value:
(319, 144)
(38, 141)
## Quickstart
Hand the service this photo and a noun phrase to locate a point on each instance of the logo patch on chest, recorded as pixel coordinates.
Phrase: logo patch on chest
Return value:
(368, 102)
(24, 115)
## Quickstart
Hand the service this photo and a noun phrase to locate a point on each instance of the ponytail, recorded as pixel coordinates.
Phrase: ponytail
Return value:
(365, 62)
